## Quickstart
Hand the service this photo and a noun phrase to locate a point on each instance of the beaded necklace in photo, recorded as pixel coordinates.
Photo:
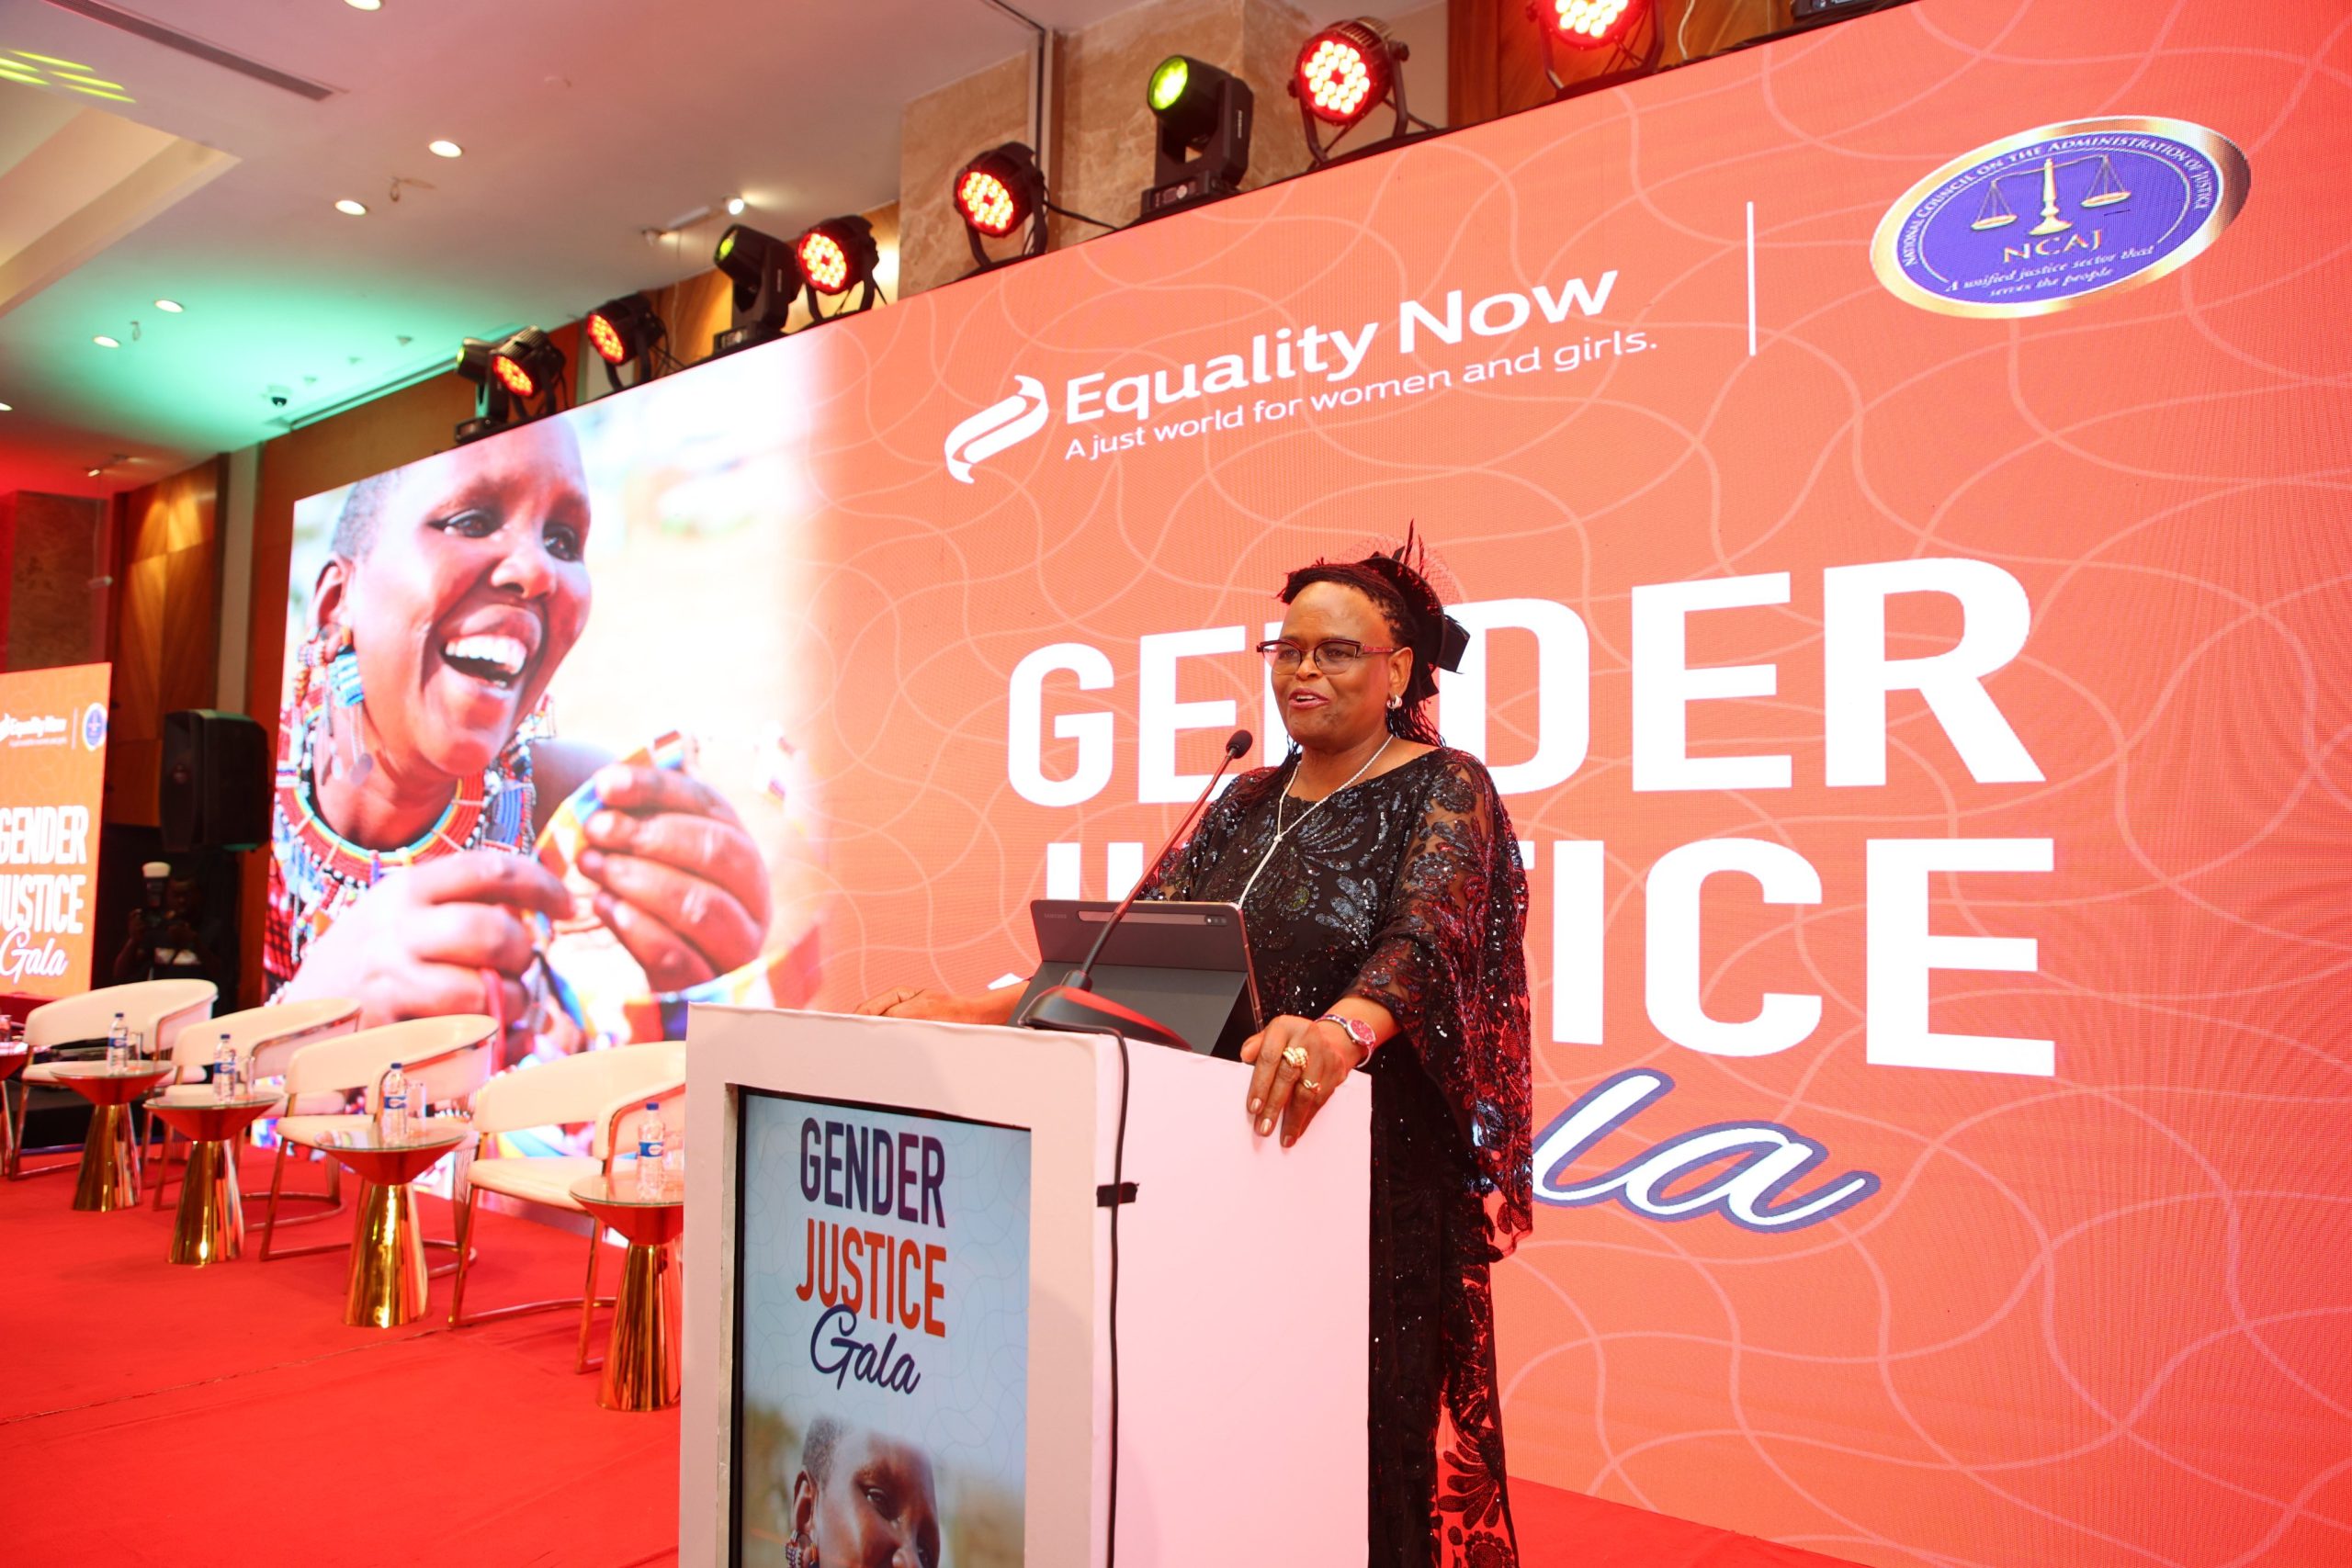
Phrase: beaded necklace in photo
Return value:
(324, 872)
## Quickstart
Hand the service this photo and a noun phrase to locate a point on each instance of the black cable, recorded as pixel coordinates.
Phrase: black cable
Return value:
(1083, 218)
(1118, 1202)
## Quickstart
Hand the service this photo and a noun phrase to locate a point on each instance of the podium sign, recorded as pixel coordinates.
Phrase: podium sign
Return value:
(898, 1281)
(881, 1314)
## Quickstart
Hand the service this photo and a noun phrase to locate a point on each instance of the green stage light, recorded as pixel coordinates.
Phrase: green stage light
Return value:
(1168, 82)
(1202, 148)
(767, 282)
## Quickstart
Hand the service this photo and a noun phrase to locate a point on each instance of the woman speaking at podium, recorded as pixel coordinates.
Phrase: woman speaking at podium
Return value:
(1386, 907)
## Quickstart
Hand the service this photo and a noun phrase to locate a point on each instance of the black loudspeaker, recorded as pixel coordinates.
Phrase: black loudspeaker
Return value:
(215, 791)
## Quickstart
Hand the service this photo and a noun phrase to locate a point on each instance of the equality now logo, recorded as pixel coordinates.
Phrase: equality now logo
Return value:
(37, 728)
(997, 427)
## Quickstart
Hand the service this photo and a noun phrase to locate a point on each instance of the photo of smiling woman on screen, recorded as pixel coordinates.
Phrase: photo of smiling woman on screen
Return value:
(418, 767)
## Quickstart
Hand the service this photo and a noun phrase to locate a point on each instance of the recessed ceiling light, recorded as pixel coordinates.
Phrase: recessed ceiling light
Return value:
(173, 306)
(735, 207)
(352, 209)
(7, 408)
(365, 5)
(444, 148)
(104, 341)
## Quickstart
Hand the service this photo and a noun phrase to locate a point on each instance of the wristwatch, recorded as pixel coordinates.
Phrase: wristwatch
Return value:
(1358, 1030)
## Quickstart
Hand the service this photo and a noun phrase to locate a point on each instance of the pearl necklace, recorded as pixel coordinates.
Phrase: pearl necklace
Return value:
(1283, 801)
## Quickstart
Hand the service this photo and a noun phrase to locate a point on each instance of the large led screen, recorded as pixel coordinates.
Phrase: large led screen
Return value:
(1896, 480)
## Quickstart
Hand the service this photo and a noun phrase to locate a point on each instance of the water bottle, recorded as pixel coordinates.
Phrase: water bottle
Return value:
(649, 1148)
(391, 1106)
(224, 1070)
(118, 1046)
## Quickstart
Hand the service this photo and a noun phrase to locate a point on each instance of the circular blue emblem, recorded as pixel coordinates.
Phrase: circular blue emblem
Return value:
(94, 726)
(2057, 216)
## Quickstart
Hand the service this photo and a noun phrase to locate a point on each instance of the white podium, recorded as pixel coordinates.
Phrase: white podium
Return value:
(1243, 1282)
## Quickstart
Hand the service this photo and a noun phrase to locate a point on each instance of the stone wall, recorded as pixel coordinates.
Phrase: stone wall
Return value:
(54, 615)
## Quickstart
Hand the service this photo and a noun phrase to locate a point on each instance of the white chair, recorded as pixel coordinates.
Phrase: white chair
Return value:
(448, 1058)
(279, 1030)
(156, 1011)
(607, 1091)
(259, 1037)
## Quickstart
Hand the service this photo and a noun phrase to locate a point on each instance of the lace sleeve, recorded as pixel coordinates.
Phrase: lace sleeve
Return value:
(1449, 961)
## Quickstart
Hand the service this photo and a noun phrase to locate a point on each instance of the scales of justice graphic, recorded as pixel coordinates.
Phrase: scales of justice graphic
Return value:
(2103, 190)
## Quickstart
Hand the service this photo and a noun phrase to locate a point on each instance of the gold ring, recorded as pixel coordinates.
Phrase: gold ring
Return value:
(1310, 1086)
(1295, 1055)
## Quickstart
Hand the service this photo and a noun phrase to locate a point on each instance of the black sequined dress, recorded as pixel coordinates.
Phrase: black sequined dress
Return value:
(1406, 888)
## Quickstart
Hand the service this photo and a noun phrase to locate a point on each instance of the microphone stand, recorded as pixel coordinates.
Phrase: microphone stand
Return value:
(1072, 1006)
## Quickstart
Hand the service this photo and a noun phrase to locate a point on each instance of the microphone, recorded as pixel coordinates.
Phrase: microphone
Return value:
(1072, 1006)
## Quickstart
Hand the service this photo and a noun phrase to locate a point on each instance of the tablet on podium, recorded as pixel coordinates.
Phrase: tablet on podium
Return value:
(1182, 964)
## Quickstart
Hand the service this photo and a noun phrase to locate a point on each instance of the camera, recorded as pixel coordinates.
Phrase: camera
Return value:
(280, 396)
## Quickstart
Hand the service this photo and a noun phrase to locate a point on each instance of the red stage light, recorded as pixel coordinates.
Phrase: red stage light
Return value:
(606, 339)
(1588, 24)
(512, 377)
(823, 262)
(987, 203)
(1343, 71)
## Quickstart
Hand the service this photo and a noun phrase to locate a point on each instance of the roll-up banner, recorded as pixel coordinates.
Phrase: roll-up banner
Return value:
(52, 777)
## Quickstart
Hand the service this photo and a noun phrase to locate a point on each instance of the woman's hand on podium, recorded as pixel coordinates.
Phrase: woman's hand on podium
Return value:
(1299, 1063)
(943, 1007)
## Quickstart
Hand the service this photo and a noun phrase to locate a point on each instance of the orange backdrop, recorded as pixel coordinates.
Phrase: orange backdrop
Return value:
(2081, 1295)
(2093, 1317)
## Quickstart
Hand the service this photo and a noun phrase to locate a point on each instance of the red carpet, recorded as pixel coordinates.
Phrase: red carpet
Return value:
(1568, 1529)
(184, 1417)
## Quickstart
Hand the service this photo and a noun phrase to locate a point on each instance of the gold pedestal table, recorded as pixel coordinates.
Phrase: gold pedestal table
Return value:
(210, 1224)
(389, 1285)
(13, 1054)
(641, 1361)
(109, 1178)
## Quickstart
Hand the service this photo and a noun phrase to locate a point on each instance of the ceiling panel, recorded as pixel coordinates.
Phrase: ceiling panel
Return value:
(584, 122)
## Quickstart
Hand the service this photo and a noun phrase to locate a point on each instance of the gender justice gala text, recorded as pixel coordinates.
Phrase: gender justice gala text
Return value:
(877, 1269)
(39, 906)
(1755, 1165)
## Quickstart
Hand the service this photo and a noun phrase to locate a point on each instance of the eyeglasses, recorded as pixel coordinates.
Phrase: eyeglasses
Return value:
(1334, 657)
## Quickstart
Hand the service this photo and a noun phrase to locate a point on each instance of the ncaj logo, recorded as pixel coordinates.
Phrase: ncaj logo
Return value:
(2055, 216)
(997, 427)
